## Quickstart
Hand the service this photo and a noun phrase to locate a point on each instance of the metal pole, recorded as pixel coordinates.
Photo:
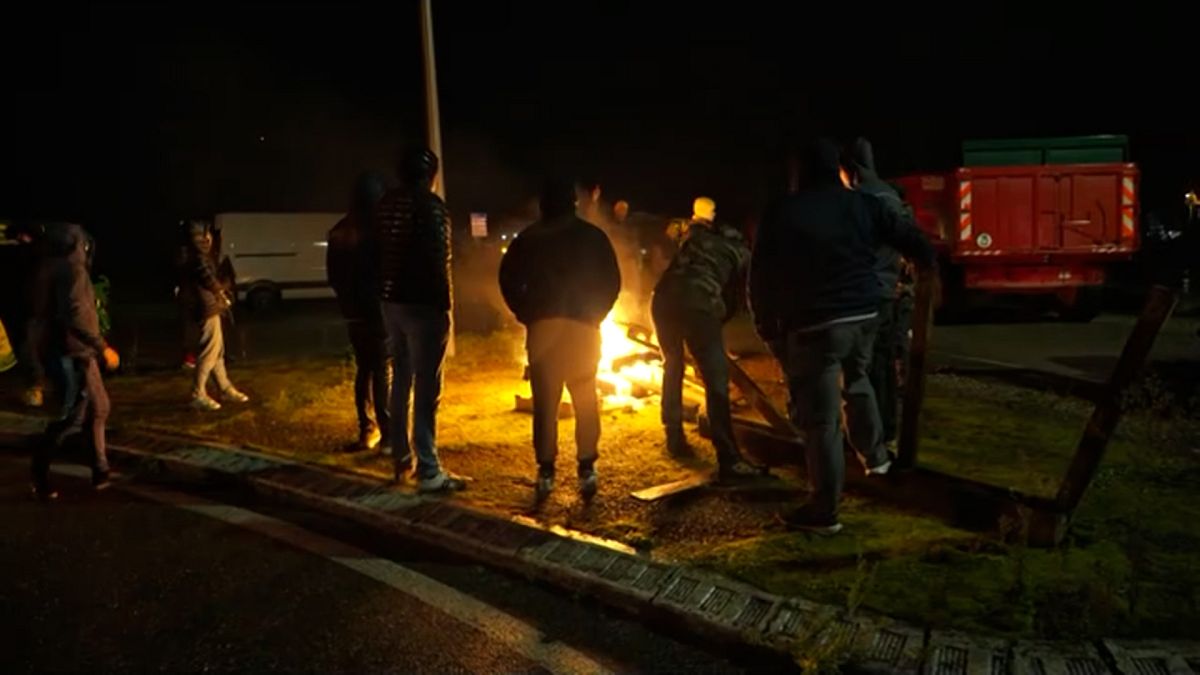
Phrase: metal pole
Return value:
(433, 126)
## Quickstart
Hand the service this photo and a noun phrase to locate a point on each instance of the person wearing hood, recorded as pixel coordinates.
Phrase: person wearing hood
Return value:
(560, 278)
(209, 300)
(814, 292)
(895, 299)
(352, 263)
(66, 303)
(699, 291)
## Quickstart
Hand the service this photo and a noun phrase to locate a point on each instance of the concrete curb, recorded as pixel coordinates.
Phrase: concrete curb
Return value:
(713, 606)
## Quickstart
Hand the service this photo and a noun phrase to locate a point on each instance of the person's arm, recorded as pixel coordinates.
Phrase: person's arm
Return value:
(895, 228)
(81, 310)
(609, 275)
(513, 281)
(764, 261)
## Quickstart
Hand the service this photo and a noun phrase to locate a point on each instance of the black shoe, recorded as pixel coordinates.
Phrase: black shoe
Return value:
(402, 469)
(589, 481)
(807, 519)
(740, 471)
(677, 444)
(100, 480)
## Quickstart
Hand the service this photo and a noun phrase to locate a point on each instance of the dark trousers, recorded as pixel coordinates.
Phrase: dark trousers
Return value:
(825, 368)
(564, 353)
(372, 373)
(888, 358)
(701, 334)
(88, 414)
(418, 336)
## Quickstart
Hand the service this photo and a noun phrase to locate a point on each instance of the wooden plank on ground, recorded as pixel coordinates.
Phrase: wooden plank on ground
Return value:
(657, 492)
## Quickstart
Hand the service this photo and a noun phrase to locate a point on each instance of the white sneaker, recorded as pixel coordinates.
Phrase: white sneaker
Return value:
(203, 402)
(232, 394)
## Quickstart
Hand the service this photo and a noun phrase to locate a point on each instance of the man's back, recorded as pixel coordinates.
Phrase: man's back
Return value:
(700, 274)
(413, 227)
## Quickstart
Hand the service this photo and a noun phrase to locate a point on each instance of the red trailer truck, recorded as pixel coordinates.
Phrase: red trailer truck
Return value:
(1037, 217)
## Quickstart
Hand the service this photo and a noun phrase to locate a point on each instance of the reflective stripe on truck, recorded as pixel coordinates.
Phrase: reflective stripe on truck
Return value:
(964, 211)
(1128, 199)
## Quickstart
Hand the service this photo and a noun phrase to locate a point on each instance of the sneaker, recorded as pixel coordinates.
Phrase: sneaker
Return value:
(101, 480)
(33, 397)
(203, 402)
(44, 493)
(370, 438)
(739, 471)
(883, 468)
(589, 483)
(232, 394)
(402, 470)
(677, 444)
(189, 362)
(443, 482)
(805, 519)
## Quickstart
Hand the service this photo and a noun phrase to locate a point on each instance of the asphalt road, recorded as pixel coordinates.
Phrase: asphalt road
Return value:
(143, 577)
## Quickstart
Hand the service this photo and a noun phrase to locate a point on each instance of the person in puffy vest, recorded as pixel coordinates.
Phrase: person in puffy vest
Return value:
(412, 226)
(209, 299)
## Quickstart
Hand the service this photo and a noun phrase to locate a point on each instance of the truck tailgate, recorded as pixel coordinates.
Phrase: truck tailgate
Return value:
(1064, 209)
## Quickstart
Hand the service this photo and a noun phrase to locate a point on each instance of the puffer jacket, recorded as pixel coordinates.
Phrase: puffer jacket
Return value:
(66, 300)
(413, 227)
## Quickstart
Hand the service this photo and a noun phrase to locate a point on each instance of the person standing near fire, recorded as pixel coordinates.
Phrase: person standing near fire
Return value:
(895, 304)
(814, 293)
(700, 290)
(413, 229)
(352, 264)
(560, 278)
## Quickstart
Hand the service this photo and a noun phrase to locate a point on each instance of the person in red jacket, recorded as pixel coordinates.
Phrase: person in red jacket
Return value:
(560, 278)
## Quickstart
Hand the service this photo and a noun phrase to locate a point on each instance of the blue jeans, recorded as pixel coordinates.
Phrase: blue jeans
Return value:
(418, 337)
(823, 368)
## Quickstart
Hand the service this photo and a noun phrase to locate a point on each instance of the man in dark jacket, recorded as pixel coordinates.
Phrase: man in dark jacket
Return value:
(352, 263)
(413, 229)
(560, 278)
(814, 291)
(696, 295)
(67, 307)
(894, 316)
(209, 300)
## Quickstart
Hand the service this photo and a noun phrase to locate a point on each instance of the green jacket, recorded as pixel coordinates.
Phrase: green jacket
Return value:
(707, 273)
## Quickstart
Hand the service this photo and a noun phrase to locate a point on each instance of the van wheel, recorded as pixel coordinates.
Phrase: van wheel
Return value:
(262, 299)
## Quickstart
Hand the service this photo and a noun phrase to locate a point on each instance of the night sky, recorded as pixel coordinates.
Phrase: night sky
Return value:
(128, 118)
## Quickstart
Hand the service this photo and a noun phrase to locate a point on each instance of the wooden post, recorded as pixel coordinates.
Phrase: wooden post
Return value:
(914, 384)
(433, 127)
(1107, 413)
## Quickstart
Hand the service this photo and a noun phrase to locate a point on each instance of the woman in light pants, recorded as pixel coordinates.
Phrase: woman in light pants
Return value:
(210, 301)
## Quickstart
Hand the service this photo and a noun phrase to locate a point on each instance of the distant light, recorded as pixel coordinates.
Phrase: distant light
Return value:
(261, 139)
(503, 237)
(644, 251)
(322, 244)
(503, 249)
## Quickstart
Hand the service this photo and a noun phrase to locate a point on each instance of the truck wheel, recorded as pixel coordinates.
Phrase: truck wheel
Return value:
(262, 298)
(1085, 306)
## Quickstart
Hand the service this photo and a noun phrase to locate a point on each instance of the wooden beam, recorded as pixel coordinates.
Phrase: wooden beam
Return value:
(914, 384)
(1159, 305)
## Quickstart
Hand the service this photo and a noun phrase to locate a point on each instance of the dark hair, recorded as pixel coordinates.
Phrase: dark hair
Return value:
(417, 166)
(557, 197)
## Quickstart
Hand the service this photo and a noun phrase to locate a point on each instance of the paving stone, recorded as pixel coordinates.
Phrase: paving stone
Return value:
(950, 653)
(730, 606)
(879, 645)
(1057, 658)
(382, 499)
(1155, 657)
(797, 619)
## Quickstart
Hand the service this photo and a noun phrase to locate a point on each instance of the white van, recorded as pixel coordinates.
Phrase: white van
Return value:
(277, 255)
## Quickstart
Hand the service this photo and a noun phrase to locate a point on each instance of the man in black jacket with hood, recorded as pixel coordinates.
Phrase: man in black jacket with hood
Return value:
(560, 278)
(352, 264)
(894, 313)
(814, 291)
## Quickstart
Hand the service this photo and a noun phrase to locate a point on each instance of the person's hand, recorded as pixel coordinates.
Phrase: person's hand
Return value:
(112, 360)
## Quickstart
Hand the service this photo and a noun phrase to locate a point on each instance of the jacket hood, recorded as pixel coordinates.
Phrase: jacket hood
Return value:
(861, 157)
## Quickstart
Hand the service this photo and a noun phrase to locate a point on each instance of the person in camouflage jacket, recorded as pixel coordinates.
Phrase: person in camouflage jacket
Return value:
(699, 291)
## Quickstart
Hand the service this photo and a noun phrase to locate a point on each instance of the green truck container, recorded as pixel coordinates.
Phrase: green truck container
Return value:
(1036, 151)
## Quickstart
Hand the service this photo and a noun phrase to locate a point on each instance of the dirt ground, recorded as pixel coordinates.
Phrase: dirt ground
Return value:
(1131, 565)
